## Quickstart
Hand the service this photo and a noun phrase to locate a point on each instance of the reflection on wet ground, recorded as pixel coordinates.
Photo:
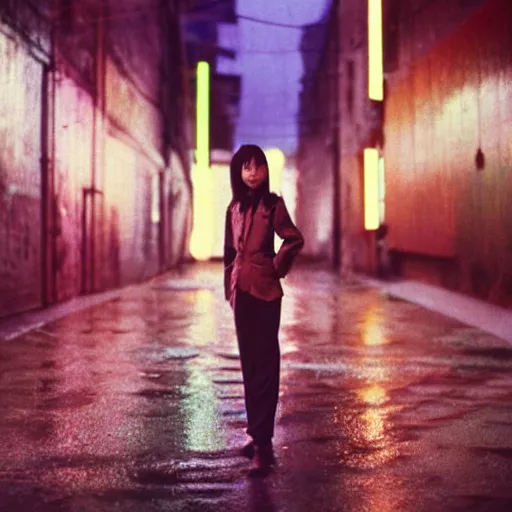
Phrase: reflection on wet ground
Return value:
(137, 404)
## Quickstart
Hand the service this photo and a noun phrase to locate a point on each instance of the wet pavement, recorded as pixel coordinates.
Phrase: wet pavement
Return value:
(136, 404)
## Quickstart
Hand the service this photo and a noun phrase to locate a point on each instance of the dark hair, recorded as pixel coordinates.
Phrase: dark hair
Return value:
(243, 156)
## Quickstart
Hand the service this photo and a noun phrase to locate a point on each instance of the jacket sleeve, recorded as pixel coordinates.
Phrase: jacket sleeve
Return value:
(229, 254)
(292, 239)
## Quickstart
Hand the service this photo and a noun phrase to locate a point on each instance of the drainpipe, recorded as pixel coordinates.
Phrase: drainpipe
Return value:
(97, 173)
(166, 94)
(48, 289)
(336, 249)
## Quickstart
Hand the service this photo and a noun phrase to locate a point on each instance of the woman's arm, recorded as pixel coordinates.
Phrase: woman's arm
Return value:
(229, 254)
(292, 239)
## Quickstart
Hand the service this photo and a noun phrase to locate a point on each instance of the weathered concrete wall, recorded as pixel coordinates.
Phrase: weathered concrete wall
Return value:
(72, 168)
(133, 160)
(354, 136)
(442, 107)
(315, 197)
(90, 216)
(132, 251)
(316, 157)
(20, 177)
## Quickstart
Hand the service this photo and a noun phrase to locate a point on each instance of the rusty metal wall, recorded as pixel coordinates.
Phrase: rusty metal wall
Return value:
(20, 178)
(451, 102)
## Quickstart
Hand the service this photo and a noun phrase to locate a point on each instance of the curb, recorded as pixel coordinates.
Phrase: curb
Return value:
(13, 327)
(487, 317)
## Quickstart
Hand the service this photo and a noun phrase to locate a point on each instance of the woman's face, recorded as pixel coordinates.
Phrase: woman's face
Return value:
(254, 175)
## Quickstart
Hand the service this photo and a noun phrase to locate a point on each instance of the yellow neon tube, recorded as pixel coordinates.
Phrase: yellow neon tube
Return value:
(375, 52)
(203, 115)
(201, 240)
(371, 188)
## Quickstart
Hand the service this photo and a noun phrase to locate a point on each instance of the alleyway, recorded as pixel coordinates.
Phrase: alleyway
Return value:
(136, 404)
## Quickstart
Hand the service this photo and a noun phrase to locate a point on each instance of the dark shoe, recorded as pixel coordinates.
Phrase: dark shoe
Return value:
(264, 461)
(248, 450)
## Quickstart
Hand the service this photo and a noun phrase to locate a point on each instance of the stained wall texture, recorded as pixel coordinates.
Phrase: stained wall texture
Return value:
(72, 174)
(90, 194)
(317, 144)
(442, 108)
(20, 177)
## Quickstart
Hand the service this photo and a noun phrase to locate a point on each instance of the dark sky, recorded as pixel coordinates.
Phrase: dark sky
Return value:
(271, 68)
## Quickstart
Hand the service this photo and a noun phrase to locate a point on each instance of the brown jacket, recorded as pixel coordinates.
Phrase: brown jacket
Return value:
(250, 262)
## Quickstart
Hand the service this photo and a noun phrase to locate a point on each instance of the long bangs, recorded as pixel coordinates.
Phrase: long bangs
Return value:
(242, 157)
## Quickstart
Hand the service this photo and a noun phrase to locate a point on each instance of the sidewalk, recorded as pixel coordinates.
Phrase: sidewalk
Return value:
(18, 325)
(467, 310)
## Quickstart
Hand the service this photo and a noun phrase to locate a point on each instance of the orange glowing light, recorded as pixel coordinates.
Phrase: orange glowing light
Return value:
(372, 425)
(202, 237)
(375, 53)
(373, 395)
(276, 160)
(373, 332)
(371, 189)
(221, 197)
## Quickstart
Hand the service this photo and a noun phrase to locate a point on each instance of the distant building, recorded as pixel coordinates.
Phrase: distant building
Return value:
(317, 140)
(200, 21)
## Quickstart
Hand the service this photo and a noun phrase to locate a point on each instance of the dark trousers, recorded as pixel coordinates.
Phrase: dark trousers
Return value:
(257, 327)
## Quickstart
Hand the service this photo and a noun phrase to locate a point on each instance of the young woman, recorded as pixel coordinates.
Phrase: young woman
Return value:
(252, 271)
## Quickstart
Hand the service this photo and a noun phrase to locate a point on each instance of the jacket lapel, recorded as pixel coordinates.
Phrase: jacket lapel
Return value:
(238, 227)
(249, 215)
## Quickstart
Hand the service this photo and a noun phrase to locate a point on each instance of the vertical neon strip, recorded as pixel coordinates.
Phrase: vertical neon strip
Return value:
(203, 114)
(201, 240)
(375, 53)
(371, 188)
(382, 190)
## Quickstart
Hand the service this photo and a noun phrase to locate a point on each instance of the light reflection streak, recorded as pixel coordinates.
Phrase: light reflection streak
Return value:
(373, 395)
(373, 426)
(203, 426)
(203, 326)
(366, 423)
(373, 332)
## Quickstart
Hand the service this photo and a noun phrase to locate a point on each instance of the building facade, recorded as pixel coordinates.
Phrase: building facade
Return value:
(448, 145)
(442, 137)
(201, 20)
(94, 167)
(317, 158)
